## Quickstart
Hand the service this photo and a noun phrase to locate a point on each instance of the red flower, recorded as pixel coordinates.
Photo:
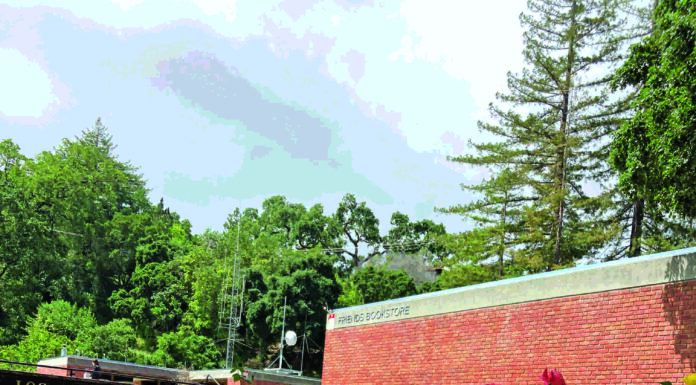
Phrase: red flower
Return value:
(552, 378)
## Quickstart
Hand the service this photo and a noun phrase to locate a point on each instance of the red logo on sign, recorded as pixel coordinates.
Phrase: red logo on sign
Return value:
(332, 315)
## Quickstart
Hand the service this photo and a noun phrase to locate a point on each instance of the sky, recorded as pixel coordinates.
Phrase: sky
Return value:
(222, 104)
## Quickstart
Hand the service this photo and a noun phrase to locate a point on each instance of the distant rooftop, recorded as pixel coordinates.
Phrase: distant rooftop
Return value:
(136, 371)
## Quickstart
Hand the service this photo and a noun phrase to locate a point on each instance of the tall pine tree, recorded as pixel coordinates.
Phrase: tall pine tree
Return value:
(497, 214)
(551, 126)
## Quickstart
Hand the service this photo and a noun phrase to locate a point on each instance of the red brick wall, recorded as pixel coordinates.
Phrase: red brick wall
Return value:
(630, 336)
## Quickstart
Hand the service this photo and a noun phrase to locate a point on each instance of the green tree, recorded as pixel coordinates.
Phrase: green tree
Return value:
(313, 229)
(184, 348)
(406, 236)
(76, 226)
(62, 319)
(156, 295)
(551, 134)
(646, 228)
(471, 259)
(278, 218)
(371, 284)
(158, 300)
(27, 245)
(308, 280)
(112, 340)
(499, 211)
(359, 227)
(204, 272)
(81, 187)
(653, 150)
(292, 225)
(54, 324)
(465, 275)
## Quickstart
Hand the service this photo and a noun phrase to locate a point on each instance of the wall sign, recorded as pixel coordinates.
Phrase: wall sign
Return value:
(382, 314)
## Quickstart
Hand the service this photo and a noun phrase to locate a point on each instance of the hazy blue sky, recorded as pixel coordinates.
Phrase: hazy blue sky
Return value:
(225, 103)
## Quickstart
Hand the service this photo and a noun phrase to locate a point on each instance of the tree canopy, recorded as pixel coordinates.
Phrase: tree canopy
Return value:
(654, 150)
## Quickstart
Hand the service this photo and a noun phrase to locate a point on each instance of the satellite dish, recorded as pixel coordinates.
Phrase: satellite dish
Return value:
(290, 338)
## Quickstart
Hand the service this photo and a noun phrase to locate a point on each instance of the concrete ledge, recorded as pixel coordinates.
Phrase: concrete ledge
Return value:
(656, 269)
(217, 374)
(280, 378)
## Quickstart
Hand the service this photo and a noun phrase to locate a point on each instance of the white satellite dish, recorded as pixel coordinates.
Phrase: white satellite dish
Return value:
(290, 338)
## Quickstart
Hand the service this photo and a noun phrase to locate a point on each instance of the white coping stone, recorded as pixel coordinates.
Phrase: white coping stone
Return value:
(656, 269)
(217, 374)
(283, 378)
(223, 374)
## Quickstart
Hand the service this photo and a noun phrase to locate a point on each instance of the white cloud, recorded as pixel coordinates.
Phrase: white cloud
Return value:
(127, 4)
(418, 60)
(404, 53)
(219, 15)
(477, 42)
(27, 91)
(422, 60)
(228, 8)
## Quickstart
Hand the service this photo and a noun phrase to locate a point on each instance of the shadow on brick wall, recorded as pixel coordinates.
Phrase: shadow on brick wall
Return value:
(679, 305)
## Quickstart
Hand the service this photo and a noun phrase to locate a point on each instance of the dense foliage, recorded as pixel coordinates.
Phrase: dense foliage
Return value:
(554, 129)
(654, 151)
(89, 263)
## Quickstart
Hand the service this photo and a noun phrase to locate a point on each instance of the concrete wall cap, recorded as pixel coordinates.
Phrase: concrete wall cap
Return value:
(666, 267)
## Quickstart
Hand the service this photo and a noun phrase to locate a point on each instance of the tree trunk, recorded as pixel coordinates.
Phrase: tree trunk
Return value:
(565, 122)
(501, 251)
(634, 247)
(635, 242)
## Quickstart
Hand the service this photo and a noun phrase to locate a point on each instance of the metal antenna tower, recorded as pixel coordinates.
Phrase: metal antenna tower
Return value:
(289, 339)
(232, 301)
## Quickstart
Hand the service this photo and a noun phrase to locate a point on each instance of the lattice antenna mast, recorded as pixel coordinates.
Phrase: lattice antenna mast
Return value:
(233, 302)
(223, 295)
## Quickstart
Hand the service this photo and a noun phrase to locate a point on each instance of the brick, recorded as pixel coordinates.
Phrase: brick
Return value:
(619, 337)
